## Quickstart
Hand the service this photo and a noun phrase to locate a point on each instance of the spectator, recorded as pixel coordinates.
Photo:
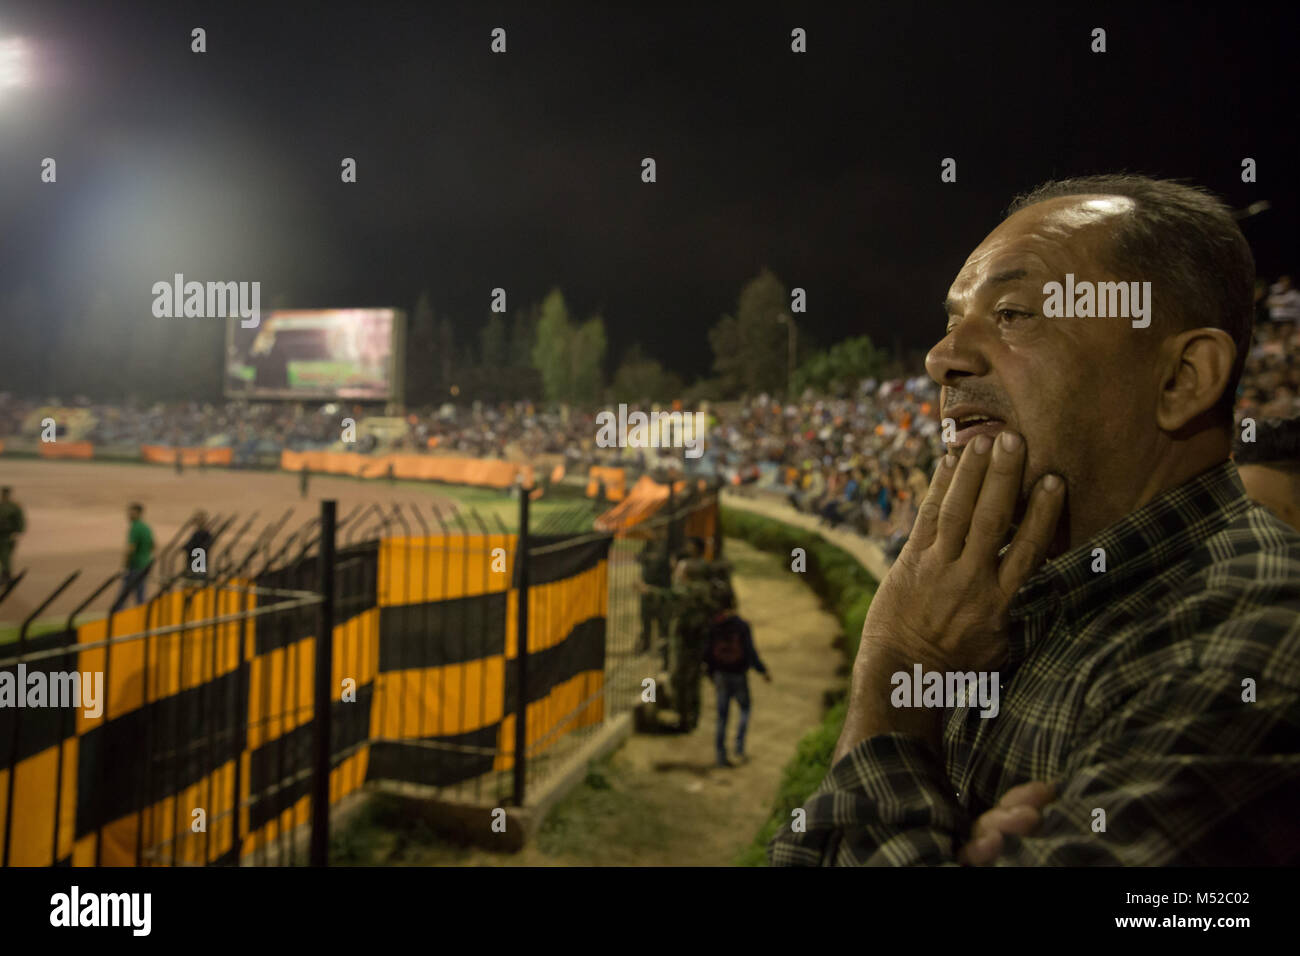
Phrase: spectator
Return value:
(729, 657)
(139, 556)
(12, 524)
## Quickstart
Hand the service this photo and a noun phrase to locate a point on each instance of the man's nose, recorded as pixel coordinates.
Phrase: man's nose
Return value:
(957, 354)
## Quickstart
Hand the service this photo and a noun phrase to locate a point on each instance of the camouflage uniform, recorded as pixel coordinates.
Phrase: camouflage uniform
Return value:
(656, 605)
(695, 601)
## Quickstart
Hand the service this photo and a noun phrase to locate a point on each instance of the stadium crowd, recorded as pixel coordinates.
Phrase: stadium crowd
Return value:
(860, 460)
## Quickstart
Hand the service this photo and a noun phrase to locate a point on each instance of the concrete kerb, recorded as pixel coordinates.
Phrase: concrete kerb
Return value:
(471, 823)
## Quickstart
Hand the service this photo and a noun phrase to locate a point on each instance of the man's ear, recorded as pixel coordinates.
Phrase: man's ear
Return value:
(1195, 369)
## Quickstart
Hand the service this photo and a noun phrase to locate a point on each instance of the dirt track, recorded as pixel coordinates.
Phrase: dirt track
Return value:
(76, 515)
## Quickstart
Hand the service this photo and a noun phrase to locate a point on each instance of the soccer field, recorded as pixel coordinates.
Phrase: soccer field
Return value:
(76, 517)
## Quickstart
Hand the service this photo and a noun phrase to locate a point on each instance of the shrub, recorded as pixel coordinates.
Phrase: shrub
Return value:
(846, 588)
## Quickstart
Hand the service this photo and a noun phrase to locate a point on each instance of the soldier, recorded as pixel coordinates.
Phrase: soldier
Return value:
(12, 524)
(695, 603)
(656, 579)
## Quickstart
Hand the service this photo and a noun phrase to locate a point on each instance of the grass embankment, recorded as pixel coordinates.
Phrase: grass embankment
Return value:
(846, 588)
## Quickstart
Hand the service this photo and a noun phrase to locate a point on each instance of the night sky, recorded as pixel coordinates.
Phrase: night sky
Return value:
(522, 170)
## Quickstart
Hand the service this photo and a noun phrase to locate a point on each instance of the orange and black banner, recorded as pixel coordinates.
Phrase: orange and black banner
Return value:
(202, 750)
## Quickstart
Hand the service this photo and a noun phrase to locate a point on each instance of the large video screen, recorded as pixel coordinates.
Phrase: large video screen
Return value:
(310, 354)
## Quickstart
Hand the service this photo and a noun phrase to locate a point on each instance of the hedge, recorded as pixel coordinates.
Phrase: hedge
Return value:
(846, 588)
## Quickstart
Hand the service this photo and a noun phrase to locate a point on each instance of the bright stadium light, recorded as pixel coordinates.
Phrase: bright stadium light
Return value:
(15, 70)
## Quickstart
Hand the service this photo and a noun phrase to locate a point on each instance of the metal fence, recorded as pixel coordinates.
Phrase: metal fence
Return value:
(227, 690)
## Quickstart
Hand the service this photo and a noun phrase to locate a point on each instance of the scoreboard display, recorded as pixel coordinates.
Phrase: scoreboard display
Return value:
(316, 354)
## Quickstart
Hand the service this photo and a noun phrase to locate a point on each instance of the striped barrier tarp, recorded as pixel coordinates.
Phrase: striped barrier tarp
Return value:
(424, 689)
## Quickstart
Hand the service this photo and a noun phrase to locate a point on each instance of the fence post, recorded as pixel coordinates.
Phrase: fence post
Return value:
(521, 650)
(320, 776)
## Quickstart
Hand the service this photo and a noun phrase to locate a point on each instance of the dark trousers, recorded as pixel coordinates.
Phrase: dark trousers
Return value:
(729, 687)
(132, 580)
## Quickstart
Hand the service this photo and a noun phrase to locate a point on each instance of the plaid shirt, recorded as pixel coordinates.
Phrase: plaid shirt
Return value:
(1125, 689)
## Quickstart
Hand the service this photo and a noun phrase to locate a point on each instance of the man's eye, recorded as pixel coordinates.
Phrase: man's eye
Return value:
(1010, 314)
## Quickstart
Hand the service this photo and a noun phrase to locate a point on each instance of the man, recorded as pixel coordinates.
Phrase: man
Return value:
(12, 524)
(693, 603)
(139, 556)
(1270, 467)
(656, 577)
(198, 549)
(1138, 693)
(729, 658)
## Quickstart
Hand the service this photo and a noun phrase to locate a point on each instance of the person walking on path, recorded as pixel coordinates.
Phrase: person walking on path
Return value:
(729, 658)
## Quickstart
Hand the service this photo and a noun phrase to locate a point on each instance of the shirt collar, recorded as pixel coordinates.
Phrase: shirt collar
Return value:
(1135, 548)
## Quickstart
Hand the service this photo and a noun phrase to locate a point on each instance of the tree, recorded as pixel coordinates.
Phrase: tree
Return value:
(551, 348)
(496, 352)
(750, 349)
(587, 353)
(523, 333)
(640, 378)
(446, 349)
(840, 368)
(421, 352)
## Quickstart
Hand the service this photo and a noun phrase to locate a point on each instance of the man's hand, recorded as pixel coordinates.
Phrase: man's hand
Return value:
(1018, 812)
(944, 602)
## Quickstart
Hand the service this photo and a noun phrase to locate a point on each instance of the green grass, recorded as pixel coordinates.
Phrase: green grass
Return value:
(801, 776)
(602, 814)
(834, 575)
(493, 504)
(9, 632)
(602, 821)
(847, 589)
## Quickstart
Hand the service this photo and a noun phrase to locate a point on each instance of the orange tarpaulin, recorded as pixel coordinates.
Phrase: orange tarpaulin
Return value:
(166, 455)
(67, 449)
(646, 497)
(615, 480)
(486, 472)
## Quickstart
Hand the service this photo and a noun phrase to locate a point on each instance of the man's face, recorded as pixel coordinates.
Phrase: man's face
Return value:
(1074, 388)
(132, 514)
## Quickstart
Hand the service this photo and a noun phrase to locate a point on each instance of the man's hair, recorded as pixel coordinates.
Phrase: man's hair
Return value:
(5, 490)
(1277, 443)
(1183, 240)
(135, 506)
